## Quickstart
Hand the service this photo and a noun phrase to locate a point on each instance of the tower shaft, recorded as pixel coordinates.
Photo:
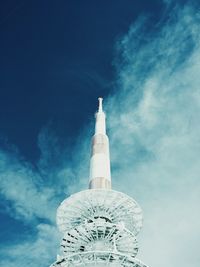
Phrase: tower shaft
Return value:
(100, 176)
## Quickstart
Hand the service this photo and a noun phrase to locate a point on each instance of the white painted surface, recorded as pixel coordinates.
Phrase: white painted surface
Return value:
(100, 166)
(100, 160)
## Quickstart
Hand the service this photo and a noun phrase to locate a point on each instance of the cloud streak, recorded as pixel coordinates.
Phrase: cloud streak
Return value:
(155, 135)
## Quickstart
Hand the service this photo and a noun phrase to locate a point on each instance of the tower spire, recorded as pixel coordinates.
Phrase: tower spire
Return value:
(100, 125)
(100, 176)
(100, 104)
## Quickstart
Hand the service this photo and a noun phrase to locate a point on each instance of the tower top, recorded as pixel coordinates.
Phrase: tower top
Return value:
(100, 104)
(99, 225)
(100, 124)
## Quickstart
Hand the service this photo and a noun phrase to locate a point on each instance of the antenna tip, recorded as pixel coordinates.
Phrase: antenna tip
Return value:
(100, 104)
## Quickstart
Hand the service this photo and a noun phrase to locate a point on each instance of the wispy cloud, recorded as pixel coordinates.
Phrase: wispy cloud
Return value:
(31, 194)
(154, 129)
(36, 252)
(155, 135)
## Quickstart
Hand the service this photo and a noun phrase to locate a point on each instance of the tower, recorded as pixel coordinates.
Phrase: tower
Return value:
(99, 225)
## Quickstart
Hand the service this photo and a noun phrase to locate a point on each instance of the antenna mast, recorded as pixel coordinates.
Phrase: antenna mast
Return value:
(100, 176)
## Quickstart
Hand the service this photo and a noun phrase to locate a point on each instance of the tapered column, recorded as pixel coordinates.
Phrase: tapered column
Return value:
(100, 176)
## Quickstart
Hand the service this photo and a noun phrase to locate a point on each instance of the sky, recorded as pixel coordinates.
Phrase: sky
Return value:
(57, 58)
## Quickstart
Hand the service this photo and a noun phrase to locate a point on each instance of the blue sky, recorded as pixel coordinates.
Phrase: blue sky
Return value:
(56, 60)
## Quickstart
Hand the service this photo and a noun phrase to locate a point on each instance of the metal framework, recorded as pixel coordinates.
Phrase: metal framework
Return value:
(99, 259)
(87, 205)
(99, 228)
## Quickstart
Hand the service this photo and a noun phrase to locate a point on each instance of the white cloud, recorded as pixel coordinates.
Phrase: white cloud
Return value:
(22, 187)
(37, 252)
(32, 194)
(155, 136)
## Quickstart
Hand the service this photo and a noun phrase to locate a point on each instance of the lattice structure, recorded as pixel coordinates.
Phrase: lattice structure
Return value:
(99, 225)
(99, 259)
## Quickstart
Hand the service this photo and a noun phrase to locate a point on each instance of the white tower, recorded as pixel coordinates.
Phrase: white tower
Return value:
(99, 225)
